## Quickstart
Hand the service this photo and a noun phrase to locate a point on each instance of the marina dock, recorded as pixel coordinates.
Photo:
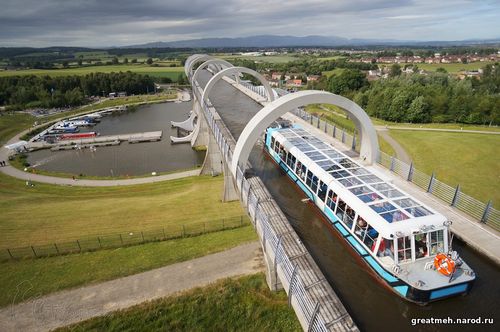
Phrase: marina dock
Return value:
(108, 140)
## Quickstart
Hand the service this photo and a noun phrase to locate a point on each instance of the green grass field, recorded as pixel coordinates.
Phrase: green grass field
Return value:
(244, 304)
(471, 160)
(48, 213)
(335, 71)
(172, 72)
(24, 279)
(452, 68)
(11, 124)
(267, 59)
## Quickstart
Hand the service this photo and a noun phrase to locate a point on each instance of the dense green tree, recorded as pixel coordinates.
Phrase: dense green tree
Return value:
(395, 70)
(149, 61)
(347, 80)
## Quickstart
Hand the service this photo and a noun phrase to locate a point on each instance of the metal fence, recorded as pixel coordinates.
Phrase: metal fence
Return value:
(116, 240)
(483, 212)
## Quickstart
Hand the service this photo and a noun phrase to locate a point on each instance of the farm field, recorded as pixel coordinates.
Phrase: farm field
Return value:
(171, 72)
(452, 68)
(243, 304)
(48, 213)
(269, 58)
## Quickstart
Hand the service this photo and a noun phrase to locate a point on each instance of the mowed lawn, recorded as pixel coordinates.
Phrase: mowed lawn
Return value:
(47, 213)
(244, 304)
(21, 280)
(11, 124)
(138, 68)
(471, 160)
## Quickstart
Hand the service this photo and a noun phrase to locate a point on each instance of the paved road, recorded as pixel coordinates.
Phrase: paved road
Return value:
(71, 306)
(401, 153)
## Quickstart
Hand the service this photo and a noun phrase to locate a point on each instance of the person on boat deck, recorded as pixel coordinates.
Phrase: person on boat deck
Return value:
(421, 245)
(385, 248)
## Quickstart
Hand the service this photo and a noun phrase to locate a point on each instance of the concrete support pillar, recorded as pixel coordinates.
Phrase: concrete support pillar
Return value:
(213, 163)
(230, 193)
(201, 131)
(273, 282)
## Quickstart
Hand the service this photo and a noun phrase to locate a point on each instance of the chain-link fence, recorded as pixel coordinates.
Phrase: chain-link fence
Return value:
(123, 239)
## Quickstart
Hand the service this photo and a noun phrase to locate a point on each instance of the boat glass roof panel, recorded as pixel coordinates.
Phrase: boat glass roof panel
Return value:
(382, 197)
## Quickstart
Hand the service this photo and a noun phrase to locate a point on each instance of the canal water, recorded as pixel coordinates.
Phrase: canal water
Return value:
(128, 159)
(373, 307)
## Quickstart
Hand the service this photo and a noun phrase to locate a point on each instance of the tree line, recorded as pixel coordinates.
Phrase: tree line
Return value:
(45, 91)
(417, 98)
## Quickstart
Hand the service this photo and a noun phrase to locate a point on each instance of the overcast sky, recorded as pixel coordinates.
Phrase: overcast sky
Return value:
(103, 23)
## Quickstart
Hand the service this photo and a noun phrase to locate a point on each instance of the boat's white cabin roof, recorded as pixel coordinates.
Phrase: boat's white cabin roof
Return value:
(388, 209)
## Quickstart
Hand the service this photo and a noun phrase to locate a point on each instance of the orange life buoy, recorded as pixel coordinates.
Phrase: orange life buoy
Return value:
(444, 264)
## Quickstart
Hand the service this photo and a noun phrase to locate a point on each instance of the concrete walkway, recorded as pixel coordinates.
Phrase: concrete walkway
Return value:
(401, 153)
(71, 306)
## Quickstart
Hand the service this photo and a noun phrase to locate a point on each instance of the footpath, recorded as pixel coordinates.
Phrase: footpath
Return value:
(71, 306)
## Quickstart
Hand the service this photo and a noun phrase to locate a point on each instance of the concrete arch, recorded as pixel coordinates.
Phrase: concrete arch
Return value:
(205, 64)
(272, 111)
(192, 60)
(237, 70)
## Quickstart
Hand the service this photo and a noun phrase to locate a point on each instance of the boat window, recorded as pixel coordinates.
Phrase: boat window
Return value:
(277, 147)
(290, 160)
(421, 249)
(340, 174)
(418, 211)
(309, 178)
(406, 202)
(404, 248)
(381, 207)
(346, 163)
(370, 178)
(322, 191)
(350, 182)
(314, 183)
(301, 170)
(360, 228)
(331, 200)
(345, 213)
(282, 153)
(272, 142)
(359, 171)
(394, 216)
(436, 242)
(392, 193)
(369, 237)
(340, 209)
(386, 248)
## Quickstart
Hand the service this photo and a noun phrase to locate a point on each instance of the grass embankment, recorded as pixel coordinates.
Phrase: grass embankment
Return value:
(11, 124)
(244, 304)
(334, 115)
(20, 160)
(24, 279)
(453, 68)
(471, 160)
(47, 213)
(156, 71)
